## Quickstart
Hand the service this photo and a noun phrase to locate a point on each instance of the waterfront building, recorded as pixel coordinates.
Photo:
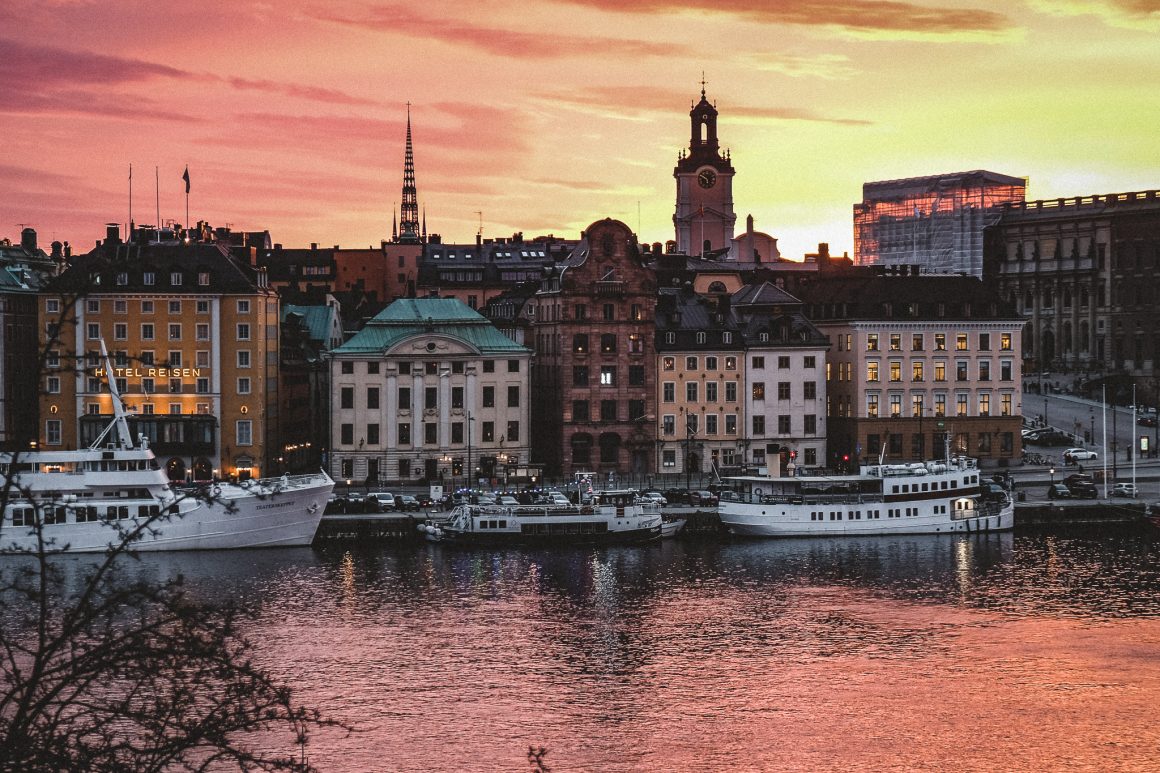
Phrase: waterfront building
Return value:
(24, 269)
(594, 381)
(935, 222)
(428, 390)
(1084, 273)
(700, 362)
(193, 331)
(914, 361)
(785, 388)
(704, 219)
(308, 333)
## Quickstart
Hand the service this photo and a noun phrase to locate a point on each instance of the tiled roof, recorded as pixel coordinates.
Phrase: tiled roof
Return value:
(318, 320)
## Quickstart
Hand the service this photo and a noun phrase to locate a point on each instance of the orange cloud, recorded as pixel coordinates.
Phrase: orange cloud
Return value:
(856, 15)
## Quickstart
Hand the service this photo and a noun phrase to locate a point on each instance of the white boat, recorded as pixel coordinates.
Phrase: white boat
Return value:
(612, 517)
(85, 500)
(671, 527)
(918, 498)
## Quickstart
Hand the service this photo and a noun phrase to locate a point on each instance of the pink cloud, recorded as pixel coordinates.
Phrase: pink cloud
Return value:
(498, 40)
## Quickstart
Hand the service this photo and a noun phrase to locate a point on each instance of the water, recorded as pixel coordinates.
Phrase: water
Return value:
(1002, 652)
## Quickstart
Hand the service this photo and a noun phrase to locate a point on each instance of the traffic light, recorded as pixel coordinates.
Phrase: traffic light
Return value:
(845, 457)
(792, 455)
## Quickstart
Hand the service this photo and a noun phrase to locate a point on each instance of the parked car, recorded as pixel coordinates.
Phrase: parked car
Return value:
(1083, 490)
(555, 498)
(1146, 421)
(1124, 490)
(1059, 491)
(703, 499)
(507, 501)
(993, 492)
(385, 499)
(677, 496)
(655, 497)
(406, 502)
(1077, 477)
(1079, 455)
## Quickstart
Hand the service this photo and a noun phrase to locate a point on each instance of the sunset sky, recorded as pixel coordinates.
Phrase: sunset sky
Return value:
(546, 116)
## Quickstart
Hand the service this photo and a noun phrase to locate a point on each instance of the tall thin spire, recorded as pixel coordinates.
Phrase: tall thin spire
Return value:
(409, 211)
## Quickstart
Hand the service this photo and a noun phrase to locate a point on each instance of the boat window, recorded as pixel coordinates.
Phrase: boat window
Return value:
(503, 524)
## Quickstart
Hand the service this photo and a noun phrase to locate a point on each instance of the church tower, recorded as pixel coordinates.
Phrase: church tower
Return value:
(409, 232)
(704, 218)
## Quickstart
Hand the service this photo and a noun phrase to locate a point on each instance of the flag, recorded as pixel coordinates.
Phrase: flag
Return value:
(186, 178)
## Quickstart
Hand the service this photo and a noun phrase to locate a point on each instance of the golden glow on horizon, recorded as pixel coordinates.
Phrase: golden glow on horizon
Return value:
(547, 117)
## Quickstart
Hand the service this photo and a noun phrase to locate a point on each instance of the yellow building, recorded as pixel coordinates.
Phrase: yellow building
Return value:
(193, 335)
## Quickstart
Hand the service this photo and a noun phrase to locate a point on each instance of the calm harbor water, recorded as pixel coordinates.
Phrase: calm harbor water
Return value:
(1007, 652)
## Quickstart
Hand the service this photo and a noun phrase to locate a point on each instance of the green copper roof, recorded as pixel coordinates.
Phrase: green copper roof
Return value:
(409, 317)
(318, 320)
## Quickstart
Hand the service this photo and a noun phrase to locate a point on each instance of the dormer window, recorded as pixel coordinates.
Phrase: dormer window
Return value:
(763, 338)
(175, 278)
(203, 278)
(149, 278)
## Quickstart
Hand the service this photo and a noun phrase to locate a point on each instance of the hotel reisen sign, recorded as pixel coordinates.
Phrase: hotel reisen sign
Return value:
(152, 372)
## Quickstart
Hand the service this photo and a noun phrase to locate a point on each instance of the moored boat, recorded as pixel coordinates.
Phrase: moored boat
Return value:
(918, 498)
(611, 517)
(114, 493)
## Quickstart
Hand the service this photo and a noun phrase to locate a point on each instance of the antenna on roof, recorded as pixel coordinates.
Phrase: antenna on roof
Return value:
(479, 233)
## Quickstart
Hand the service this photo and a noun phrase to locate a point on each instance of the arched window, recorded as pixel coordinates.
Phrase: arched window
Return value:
(717, 287)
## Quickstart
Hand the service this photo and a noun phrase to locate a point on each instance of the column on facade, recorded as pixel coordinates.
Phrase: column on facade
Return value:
(444, 407)
(470, 408)
(391, 403)
(417, 434)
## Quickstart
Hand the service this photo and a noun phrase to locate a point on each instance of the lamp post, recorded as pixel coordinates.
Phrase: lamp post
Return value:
(469, 471)
(1045, 410)
(1052, 472)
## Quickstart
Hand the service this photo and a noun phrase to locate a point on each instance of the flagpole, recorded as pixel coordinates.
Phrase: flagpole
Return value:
(130, 229)
(157, 194)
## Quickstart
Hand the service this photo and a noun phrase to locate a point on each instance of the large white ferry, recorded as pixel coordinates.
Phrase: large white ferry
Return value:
(917, 498)
(611, 517)
(85, 500)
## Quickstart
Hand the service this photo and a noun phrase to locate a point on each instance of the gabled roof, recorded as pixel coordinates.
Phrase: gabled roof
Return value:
(763, 294)
(448, 317)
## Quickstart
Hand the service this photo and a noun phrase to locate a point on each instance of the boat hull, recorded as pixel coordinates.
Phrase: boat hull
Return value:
(747, 520)
(627, 537)
(277, 512)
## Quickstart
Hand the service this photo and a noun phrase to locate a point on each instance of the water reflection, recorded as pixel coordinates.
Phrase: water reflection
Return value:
(921, 651)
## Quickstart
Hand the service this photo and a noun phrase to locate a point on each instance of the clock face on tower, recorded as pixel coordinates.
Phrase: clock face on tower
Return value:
(707, 178)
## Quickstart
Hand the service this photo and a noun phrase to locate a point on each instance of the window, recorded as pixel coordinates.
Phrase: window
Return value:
(608, 410)
(347, 397)
(758, 390)
(431, 398)
(372, 434)
(487, 431)
(690, 363)
(244, 385)
(668, 363)
(489, 366)
(489, 397)
(871, 371)
(93, 306)
(608, 375)
(373, 368)
(916, 342)
(245, 431)
(895, 342)
(783, 425)
(53, 385)
(730, 424)
(895, 406)
(175, 279)
(810, 390)
(961, 370)
(52, 359)
(872, 406)
(811, 424)
(984, 370)
(871, 342)
(513, 400)
(758, 363)
(52, 305)
(759, 425)
(711, 424)
(669, 424)
(916, 371)
(513, 366)
(579, 375)
(243, 332)
(607, 343)
(1005, 405)
(730, 391)
(513, 431)
(1005, 341)
(147, 331)
(581, 311)
(148, 386)
(711, 392)
(203, 278)
(580, 410)
(202, 386)
(984, 404)
(201, 331)
(985, 342)
(730, 363)
(961, 405)
(668, 392)
(52, 432)
(372, 398)
(940, 371)
(430, 433)
(175, 307)
(346, 368)
(457, 397)
(404, 431)
(636, 375)
(635, 410)
(609, 312)
(691, 389)
(580, 343)
(243, 358)
(668, 458)
(940, 342)
(243, 306)
(93, 331)
(120, 331)
(783, 392)
(174, 331)
(916, 406)
(404, 398)
(457, 432)
(940, 405)
(1005, 370)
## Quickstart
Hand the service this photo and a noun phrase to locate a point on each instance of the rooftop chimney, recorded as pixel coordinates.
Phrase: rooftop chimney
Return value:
(112, 233)
(28, 239)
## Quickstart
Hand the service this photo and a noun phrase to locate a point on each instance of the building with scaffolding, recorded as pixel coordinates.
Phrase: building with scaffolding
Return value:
(934, 222)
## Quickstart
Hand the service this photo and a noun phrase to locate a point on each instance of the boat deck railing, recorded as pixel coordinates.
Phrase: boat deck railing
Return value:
(807, 499)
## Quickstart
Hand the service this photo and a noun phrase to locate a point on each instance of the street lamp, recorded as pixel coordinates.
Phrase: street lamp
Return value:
(1052, 471)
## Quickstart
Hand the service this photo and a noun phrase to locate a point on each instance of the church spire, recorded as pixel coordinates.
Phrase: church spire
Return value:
(409, 211)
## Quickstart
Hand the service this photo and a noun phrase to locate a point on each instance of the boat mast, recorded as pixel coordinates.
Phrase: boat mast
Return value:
(120, 422)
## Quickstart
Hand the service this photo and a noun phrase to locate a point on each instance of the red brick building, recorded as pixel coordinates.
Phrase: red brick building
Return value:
(593, 382)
